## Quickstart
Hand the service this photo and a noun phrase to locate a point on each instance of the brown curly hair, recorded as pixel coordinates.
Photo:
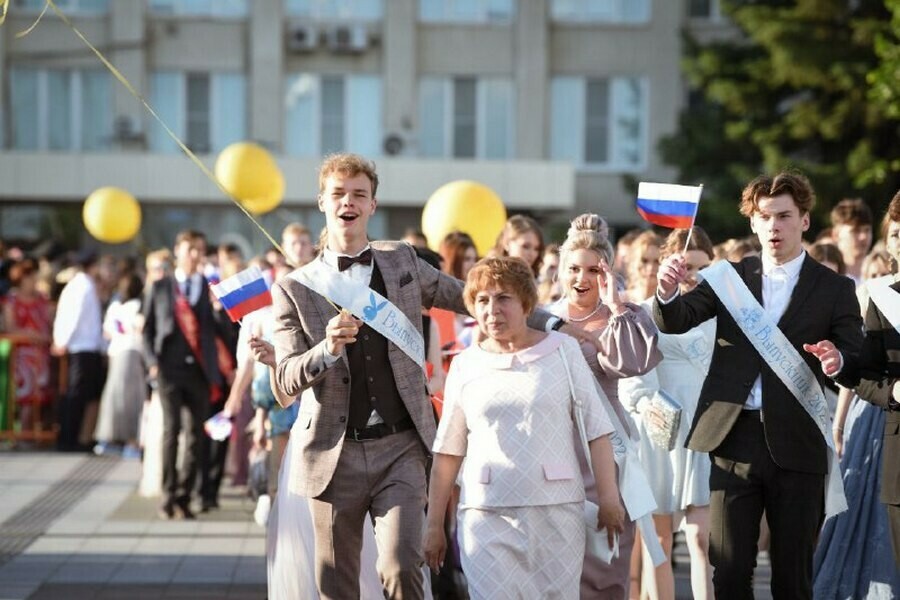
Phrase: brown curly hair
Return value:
(349, 165)
(765, 186)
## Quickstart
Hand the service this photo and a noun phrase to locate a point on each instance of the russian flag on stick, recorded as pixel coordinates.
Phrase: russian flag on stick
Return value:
(669, 205)
(243, 293)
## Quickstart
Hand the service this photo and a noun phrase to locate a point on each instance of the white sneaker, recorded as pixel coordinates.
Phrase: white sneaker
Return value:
(263, 506)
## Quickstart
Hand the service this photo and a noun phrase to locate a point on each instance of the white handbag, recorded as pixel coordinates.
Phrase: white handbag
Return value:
(596, 542)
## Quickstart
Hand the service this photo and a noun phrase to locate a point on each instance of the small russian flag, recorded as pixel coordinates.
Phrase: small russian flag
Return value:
(243, 293)
(669, 205)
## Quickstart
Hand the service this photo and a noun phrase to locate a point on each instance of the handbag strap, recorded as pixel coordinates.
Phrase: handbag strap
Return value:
(577, 412)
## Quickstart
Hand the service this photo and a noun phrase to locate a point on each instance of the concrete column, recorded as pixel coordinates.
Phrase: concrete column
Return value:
(531, 66)
(128, 41)
(398, 43)
(265, 93)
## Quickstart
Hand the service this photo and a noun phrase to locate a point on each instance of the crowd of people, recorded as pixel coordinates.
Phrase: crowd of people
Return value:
(420, 408)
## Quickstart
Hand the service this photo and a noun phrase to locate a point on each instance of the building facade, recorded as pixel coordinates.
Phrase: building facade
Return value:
(549, 102)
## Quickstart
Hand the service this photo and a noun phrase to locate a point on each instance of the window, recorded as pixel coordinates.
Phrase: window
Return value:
(600, 11)
(599, 122)
(466, 11)
(60, 109)
(333, 113)
(206, 110)
(466, 117)
(704, 9)
(67, 6)
(200, 8)
(335, 10)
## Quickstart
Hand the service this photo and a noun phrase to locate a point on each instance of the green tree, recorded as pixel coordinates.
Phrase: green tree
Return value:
(790, 90)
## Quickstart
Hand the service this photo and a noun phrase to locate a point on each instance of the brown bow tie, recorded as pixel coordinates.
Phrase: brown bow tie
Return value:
(365, 258)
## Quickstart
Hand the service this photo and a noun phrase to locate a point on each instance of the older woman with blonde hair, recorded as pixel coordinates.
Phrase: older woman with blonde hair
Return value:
(508, 412)
(624, 344)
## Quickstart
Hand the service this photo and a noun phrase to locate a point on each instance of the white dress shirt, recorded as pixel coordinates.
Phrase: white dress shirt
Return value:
(778, 283)
(78, 326)
(196, 285)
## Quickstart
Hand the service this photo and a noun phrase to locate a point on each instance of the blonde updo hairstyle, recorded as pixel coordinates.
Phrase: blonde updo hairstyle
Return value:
(587, 232)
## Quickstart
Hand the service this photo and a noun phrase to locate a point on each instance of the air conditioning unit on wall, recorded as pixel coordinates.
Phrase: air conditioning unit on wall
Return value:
(348, 39)
(302, 38)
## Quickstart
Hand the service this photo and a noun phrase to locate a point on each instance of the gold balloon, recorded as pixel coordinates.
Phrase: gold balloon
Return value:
(466, 206)
(111, 215)
(251, 175)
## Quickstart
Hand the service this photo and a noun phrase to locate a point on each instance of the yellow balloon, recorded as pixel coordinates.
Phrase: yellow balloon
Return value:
(251, 175)
(466, 206)
(111, 215)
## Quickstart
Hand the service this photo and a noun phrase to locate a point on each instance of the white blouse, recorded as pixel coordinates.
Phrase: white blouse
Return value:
(510, 415)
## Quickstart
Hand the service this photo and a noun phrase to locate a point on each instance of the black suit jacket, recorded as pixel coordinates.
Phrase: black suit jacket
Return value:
(877, 369)
(160, 325)
(823, 306)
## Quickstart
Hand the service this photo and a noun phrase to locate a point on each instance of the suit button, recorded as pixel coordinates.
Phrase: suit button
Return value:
(371, 379)
(366, 338)
(368, 358)
(343, 419)
(346, 380)
(315, 371)
(373, 398)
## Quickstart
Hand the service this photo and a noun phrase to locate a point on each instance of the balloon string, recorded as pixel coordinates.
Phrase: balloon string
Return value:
(124, 81)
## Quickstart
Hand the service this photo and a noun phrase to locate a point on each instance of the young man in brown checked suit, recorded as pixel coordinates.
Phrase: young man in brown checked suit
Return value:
(365, 423)
(767, 452)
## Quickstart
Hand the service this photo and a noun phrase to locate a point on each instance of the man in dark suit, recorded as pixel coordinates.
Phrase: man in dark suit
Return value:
(767, 453)
(365, 424)
(180, 348)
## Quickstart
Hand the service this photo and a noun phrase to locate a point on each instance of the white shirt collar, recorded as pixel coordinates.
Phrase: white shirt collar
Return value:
(329, 256)
(791, 268)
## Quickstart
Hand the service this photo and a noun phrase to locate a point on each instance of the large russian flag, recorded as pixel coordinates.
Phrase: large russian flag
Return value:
(669, 205)
(243, 293)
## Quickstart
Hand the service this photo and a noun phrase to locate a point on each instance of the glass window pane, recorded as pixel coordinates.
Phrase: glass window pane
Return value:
(167, 99)
(24, 105)
(164, 7)
(301, 106)
(298, 8)
(332, 114)
(32, 4)
(93, 6)
(498, 116)
(431, 10)
(59, 110)
(368, 10)
(432, 116)
(363, 118)
(634, 11)
(230, 8)
(700, 8)
(628, 98)
(96, 110)
(464, 117)
(228, 111)
(198, 138)
(194, 7)
(499, 10)
(567, 118)
(596, 123)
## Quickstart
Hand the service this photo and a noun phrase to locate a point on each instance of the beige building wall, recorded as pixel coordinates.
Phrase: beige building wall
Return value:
(530, 50)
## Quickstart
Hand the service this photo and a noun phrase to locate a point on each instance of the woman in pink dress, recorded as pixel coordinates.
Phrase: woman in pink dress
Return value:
(28, 314)
(625, 345)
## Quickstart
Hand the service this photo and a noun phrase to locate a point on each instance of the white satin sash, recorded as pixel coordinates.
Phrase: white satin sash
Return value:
(784, 360)
(886, 299)
(375, 310)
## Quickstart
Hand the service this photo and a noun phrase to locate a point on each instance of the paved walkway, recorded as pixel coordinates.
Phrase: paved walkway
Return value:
(72, 526)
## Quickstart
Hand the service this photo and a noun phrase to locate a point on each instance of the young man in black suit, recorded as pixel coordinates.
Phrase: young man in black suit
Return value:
(768, 454)
(180, 331)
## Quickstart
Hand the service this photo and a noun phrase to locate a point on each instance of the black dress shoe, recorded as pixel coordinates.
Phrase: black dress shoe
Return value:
(183, 511)
(166, 512)
(209, 505)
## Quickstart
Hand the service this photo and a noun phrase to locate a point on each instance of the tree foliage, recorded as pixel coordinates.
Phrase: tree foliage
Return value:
(810, 85)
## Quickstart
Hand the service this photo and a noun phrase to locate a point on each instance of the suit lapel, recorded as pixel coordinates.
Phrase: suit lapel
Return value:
(388, 273)
(753, 278)
(805, 285)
